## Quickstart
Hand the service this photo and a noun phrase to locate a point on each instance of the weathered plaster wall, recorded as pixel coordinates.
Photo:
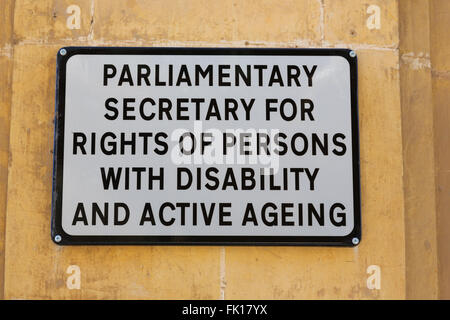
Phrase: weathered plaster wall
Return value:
(418, 150)
(36, 268)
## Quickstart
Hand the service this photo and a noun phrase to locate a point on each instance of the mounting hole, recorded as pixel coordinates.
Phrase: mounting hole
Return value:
(352, 54)
(63, 52)
(355, 241)
(58, 238)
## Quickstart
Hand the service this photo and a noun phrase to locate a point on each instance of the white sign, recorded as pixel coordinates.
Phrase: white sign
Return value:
(206, 146)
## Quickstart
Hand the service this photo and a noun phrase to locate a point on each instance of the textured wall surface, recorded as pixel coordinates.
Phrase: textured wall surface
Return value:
(418, 150)
(440, 62)
(34, 267)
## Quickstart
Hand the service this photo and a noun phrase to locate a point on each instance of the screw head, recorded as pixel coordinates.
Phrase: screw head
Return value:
(58, 238)
(63, 52)
(355, 241)
(352, 54)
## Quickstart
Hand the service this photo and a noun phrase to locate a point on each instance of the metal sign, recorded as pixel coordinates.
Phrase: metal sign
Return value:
(206, 146)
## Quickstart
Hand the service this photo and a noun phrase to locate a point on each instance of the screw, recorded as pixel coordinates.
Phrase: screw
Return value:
(352, 54)
(63, 52)
(58, 238)
(355, 241)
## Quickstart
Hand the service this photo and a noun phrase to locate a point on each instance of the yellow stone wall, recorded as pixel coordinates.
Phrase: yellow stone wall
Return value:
(33, 267)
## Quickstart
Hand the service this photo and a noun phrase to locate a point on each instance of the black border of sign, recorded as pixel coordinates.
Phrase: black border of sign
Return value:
(66, 239)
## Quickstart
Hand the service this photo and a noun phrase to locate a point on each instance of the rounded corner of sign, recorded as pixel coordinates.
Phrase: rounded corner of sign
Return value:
(62, 237)
(56, 242)
(348, 55)
(56, 237)
(62, 52)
